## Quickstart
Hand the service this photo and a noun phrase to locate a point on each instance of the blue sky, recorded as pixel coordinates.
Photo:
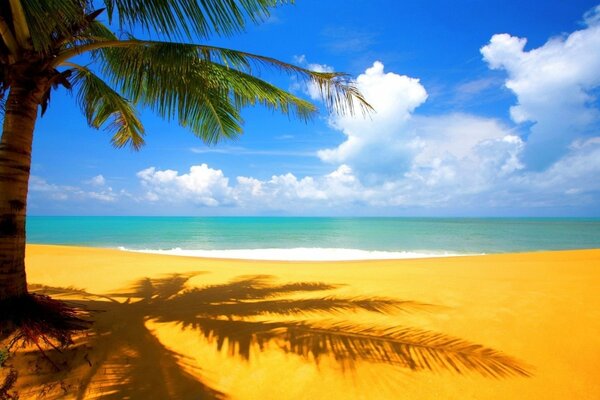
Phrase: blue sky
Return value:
(483, 108)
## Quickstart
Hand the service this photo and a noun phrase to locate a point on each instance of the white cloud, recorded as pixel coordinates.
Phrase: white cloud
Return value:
(97, 180)
(454, 135)
(209, 187)
(40, 187)
(379, 143)
(575, 173)
(201, 185)
(54, 192)
(554, 87)
(406, 150)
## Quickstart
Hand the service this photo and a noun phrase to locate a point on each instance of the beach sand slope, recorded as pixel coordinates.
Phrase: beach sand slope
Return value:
(511, 326)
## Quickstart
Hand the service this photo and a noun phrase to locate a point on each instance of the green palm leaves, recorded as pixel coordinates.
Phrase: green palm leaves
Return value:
(201, 87)
(205, 17)
(204, 87)
(102, 106)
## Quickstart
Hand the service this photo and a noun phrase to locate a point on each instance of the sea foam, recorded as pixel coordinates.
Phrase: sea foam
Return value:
(299, 254)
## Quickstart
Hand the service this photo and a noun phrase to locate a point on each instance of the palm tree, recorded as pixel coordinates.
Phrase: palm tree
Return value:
(202, 87)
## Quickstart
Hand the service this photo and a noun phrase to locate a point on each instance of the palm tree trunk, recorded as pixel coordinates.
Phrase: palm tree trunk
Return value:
(15, 162)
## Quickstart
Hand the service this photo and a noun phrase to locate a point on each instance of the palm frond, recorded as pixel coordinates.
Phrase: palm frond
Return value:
(184, 18)
(204, 87)
(8, 39)
(20, 24)
(338, 91)
(97, 31)
(45, 23)
(247, 90)
(84, 32)
(170, 80)
(103, 106)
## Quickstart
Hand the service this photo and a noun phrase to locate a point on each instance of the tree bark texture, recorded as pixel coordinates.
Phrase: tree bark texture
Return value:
(15, 163)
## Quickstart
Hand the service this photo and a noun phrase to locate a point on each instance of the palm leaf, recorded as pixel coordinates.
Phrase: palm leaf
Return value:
(338, 91)
(45, 24)
(204, 87)
(169, 79)
(247, 90)
(103, 106)
(87, 31)
(177, 18)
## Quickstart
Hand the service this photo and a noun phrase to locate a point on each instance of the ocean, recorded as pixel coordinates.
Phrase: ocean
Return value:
(281, 238)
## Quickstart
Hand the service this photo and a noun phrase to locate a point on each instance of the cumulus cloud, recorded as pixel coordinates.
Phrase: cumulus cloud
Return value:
(554, 87)
(574, 174)
(209, 187)
(462, 154)
(394, 97)
(434, 151)
(201, 185)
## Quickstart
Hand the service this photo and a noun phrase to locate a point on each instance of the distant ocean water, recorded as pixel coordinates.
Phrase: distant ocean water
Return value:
(316, 238)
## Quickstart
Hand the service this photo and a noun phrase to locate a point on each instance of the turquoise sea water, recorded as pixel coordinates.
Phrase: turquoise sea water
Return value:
(396, 236)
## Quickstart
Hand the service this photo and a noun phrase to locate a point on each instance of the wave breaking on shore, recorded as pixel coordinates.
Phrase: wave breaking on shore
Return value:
(299, 254)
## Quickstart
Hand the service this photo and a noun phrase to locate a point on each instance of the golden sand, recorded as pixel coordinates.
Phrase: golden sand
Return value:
(540, 309)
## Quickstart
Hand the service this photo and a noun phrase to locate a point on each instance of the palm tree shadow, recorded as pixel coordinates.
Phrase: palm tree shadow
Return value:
(122, 357)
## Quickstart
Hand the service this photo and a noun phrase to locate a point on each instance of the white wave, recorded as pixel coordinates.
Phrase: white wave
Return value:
(300, 254)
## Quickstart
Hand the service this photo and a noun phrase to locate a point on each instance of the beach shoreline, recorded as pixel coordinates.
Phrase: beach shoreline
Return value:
(301, 254)
(540, 308)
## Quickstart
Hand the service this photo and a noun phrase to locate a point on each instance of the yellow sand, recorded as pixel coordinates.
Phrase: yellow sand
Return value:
(543, 309)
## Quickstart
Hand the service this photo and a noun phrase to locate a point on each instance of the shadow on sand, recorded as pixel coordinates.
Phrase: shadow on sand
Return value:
(119, 357)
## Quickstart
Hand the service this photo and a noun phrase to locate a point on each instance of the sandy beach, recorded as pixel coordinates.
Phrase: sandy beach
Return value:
(186, 328)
